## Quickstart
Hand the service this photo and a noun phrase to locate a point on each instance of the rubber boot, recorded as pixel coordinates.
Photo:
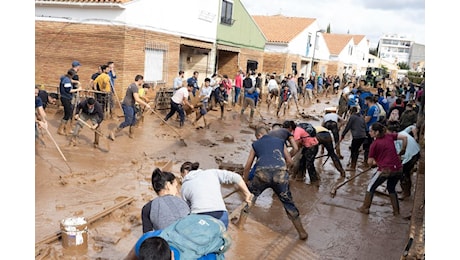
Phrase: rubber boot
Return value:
(337, 151)
(303, 235)
(406, 185)
(61, 129)
(352, 166)
(394, 203)
(131, 132)
(76, 131)
(251, 115)
(366, 204)
(68, 128)
(96, 140)
(114, 132)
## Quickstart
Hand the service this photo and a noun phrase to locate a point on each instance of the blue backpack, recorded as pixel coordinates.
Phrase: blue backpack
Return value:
(197, 235)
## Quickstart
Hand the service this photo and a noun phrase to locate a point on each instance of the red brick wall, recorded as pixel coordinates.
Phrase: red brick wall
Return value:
(57, 44)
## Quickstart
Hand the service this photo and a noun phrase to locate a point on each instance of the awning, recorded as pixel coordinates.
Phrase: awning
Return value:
(196, 43)
(227, 48)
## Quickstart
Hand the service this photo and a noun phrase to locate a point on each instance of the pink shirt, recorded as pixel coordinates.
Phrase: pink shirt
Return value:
(301, 134)
(238, 81)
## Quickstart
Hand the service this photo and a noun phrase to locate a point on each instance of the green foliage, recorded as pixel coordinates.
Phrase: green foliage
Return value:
(373, 51)
(328, 30)
(403, 66)
(415, 77)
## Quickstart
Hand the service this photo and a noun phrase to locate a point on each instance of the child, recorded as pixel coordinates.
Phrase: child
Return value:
(284, 97)
(220, 95)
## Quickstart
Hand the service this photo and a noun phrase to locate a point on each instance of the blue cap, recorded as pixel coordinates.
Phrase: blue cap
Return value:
(75, 63)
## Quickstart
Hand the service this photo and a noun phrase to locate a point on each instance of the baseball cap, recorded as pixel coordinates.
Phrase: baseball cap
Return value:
(76, 63)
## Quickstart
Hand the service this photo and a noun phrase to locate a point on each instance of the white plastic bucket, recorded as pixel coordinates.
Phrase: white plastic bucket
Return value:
(74, 233)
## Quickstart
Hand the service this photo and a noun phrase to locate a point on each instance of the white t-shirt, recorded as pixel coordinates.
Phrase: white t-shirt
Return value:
(272, 84)
(179, 96)
(206, 91)
(331, 117)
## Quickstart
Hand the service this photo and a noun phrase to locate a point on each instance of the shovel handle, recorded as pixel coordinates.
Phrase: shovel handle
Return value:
(166, 123)
(86, 124)
(57, 146)
(334, 190)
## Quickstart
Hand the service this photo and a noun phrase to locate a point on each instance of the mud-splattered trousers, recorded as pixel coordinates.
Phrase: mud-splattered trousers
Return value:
(278, 180)
(380, 177)
(307, 162)
(325, 139)
(406, 182)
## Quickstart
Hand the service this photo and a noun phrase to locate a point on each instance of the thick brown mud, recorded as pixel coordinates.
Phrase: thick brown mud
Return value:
(94, 181)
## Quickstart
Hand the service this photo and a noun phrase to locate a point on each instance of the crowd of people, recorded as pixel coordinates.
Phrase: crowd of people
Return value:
(386, 124)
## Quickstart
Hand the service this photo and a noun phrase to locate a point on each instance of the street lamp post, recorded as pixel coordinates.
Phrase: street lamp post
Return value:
(314, 48)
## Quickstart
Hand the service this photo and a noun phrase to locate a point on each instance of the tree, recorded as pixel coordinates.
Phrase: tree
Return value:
(373, 51)
(403, 66)
(328, 29)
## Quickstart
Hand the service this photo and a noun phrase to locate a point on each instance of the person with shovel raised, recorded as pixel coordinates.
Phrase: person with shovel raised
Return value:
(88, 109)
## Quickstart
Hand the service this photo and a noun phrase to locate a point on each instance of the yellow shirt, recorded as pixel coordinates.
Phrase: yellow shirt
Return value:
(104, 82)
(141, 92)
(319, 128)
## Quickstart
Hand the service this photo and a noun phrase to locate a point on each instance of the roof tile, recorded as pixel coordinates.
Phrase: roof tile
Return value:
(281, 29)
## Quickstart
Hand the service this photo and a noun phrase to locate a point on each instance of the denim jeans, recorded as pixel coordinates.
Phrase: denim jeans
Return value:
(278, 180)
(130, 118)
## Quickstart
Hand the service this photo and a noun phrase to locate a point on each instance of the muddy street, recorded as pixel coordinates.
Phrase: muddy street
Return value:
(109, 186)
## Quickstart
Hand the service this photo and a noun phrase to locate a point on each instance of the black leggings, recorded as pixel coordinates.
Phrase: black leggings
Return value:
(307, 162)
(68, 108)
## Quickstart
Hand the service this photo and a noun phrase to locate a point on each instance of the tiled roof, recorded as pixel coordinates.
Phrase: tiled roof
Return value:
(336, 42)
(281, 29)
(86, 1)
(358, 38)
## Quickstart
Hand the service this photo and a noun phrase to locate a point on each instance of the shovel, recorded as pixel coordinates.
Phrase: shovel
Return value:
(59, 149)
(334, 190)
(263, 119)
(97, 132)
(166, 123)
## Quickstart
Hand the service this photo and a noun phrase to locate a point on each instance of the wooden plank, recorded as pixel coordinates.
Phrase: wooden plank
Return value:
(57, 235)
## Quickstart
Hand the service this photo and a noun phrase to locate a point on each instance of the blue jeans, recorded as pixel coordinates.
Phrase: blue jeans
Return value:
(237, 95)
(220, 215)
(130, 118)
(278, 180)
(176, 108)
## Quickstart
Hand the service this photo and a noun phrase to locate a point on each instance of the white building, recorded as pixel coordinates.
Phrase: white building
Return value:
(395, 48)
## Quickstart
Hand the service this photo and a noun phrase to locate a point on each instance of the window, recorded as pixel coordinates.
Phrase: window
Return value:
(226, 12)
(153, 65)
(350, 50)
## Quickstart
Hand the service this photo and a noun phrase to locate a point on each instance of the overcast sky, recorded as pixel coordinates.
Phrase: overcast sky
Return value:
(372, 18)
